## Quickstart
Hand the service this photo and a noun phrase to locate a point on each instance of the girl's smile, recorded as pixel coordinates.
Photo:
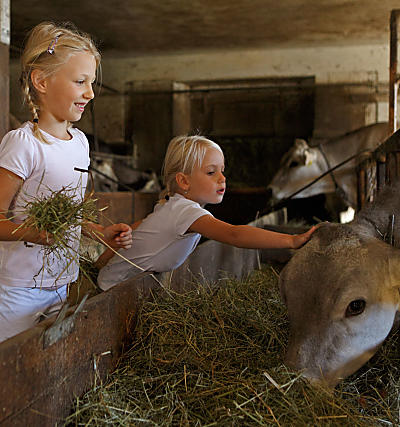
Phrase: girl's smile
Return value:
(81, 106)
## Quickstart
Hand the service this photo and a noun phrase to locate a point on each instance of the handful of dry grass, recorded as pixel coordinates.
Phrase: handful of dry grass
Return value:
(60, 214)
(213, 357)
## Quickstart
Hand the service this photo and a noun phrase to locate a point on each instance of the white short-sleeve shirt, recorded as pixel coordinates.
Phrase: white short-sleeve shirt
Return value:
(45, 168)
(160, 243)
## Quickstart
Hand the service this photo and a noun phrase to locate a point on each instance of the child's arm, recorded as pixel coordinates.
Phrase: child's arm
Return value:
(103, 259)
(246, 236)
(10, 185)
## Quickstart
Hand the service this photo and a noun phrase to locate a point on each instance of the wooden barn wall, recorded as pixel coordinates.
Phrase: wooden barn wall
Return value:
(148, 122)
(328, 65)
(257, 119)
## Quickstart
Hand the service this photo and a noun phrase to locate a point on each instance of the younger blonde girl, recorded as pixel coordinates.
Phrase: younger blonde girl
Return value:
(193, 174)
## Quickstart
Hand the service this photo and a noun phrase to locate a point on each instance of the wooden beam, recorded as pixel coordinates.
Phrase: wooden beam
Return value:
(4, 66)
(393, 76)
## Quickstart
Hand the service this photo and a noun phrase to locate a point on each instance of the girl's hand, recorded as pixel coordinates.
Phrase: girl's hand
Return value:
(33, 235)
(118, 236)
(300, 239)
(45, 238)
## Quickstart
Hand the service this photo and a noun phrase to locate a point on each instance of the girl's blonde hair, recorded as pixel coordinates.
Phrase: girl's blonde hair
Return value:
(184, 153)
(47, 48)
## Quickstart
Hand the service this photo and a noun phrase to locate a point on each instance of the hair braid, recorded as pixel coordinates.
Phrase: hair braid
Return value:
(26, 89)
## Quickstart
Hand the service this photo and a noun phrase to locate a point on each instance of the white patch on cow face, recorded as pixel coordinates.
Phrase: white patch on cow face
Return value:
(310, 156)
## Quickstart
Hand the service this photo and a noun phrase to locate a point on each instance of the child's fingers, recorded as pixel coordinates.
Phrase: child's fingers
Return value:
(125, 234)
(123, 228)
(124, 240)
(311, 230)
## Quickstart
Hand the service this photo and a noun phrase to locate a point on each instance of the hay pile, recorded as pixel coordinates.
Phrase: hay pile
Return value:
(213, 357)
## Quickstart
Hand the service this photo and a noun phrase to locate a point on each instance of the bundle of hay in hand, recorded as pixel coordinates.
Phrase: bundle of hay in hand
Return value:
(61, 214)
(213, 356)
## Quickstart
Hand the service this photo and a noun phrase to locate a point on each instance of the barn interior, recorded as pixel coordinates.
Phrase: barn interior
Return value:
(251, 75)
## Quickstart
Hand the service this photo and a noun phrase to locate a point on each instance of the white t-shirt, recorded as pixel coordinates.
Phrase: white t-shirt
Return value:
(160, 243)
(45, 168)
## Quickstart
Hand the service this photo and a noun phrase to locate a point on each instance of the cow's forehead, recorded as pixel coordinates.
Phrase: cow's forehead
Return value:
(322, 272)
(298, 149)
(293, 154)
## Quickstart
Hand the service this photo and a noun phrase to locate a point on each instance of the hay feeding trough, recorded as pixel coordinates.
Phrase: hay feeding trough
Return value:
(213, 356)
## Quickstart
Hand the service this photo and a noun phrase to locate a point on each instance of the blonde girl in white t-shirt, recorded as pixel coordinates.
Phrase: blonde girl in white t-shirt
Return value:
(193, 175)
(59, 66)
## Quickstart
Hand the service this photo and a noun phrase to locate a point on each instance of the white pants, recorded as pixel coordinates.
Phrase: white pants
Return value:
(21, 308)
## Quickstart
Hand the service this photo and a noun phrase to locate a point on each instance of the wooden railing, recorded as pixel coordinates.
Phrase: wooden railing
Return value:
(377, 169)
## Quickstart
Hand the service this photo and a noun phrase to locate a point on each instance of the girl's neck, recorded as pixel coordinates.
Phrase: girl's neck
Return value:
(54, 128)
(182, 193)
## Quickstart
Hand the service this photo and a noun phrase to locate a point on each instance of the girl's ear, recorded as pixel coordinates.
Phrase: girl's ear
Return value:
(39, 83)
(183, 181)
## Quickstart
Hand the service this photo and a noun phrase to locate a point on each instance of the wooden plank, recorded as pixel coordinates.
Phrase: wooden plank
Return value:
(38, 384)
(143, 204)
(118, 207)
(4, 89)
(393, 76)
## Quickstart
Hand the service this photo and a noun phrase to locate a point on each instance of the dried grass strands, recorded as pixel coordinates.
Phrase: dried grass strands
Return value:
(60, 214)
(213, 357)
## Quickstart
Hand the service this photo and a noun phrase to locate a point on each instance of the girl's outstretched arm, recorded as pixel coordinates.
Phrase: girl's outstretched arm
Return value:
(10, 185)
(247, 236)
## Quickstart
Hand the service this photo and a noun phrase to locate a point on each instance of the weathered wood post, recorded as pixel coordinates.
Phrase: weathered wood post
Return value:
(393, 76)
(4, 65)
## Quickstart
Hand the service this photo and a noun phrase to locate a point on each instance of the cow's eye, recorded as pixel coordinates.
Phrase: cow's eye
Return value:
(293, 164)
(355, 308)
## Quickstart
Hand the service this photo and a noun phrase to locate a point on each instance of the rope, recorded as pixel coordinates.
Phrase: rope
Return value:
(339, 190)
